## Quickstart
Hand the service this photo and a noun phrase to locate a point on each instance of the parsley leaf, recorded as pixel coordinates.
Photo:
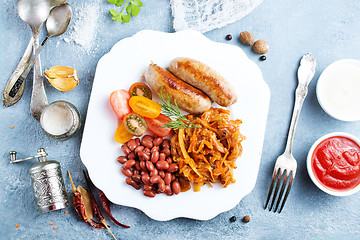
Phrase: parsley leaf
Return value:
(132, 8)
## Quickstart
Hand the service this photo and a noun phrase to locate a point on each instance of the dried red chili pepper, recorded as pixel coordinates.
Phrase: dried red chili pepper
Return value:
(94, 204)
(80, 206)
(106, 205)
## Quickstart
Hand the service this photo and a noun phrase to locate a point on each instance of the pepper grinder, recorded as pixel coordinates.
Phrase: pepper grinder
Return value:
(47, 181)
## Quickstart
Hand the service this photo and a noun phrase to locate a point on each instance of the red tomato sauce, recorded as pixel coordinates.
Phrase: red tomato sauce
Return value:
(336, 163)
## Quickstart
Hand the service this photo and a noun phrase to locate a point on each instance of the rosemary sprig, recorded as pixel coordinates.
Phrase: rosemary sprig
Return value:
(178, 120)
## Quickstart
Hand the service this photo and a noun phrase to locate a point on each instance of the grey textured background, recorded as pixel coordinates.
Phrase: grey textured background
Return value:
(329, 29)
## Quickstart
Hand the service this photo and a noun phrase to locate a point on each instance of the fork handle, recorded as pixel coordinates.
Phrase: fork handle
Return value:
(300, 94)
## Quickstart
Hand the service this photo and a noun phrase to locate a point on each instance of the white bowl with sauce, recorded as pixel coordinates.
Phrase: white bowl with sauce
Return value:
(316, 170)
(338, 90)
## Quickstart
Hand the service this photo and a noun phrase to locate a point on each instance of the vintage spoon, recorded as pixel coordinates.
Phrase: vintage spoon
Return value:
(15, 96)
(35, 12)
(56, 24)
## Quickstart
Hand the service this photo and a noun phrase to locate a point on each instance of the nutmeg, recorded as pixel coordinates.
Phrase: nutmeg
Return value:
(246, 38)
(260, 47)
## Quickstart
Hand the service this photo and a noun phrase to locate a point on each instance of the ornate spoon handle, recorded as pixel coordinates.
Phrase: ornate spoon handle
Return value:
(14, 89)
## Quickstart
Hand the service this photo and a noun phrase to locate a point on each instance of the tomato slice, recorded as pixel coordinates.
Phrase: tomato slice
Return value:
(135, 124)
(144, 106)
(156, 125)
(140, 89)
(119, 101)
(122, 135)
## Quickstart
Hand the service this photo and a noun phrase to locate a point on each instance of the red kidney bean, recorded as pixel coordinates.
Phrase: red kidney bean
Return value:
(162, 165)
(155, 179)
(166, 143)
(173, 177)
(129, 164)
(131, 144)
(168, 190)
(161, 186)
(166, 151)
(125, 149)
(157, 141)
(155, 157)
(136, 172)
(148, 187)
(137, 140)
(150, 166)
(175, 186)
(137, 166)
(147, 150)
(147, 141)
(143, 166)
(161, 173)
(146, 179)
(142, 172)
(127, 172)
(138, 149)
(167, 178)
(121, 159)
(162, 156)
(169, 160)
(132, 183)
(150, 193)
(173, 167)
(136, 178)
(143, 156)
(154, 172)
(131, 155)
(155, 149)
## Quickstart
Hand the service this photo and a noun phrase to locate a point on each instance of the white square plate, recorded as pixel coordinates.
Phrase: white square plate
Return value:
(123, 66)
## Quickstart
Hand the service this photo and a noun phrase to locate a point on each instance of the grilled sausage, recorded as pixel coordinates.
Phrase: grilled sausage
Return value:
(187, 97)
(204, 78)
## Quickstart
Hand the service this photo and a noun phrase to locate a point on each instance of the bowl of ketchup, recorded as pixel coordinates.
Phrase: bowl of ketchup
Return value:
(333, 164)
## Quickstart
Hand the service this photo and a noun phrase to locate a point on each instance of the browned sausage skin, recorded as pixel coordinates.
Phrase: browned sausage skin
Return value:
(204, 78)
(187, 97)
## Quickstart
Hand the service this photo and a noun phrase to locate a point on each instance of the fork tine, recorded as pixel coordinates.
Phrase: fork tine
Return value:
(271, 187)
(287, 191)
(276, 189)
(284, 182)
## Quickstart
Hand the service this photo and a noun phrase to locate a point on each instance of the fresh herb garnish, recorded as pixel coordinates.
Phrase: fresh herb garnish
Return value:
(178, 120)
(132, 8)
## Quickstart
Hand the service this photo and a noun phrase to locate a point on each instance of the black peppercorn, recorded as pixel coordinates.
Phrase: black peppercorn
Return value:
(228, 37)
(232, 219)
(246, 219)
(263, 58)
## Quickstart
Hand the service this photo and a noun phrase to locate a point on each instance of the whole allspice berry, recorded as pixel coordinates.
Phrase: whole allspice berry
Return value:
(247, 38)
(260, 47)
(246, 219)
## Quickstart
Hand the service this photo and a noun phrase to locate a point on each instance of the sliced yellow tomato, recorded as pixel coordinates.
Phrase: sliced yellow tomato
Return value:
(145, 107)
(121, 134)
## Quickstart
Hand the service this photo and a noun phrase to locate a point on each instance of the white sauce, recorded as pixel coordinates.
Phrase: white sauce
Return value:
(338, 90)
(57, 119)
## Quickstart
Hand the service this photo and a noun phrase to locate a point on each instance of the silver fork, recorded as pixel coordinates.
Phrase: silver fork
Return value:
(285, 166)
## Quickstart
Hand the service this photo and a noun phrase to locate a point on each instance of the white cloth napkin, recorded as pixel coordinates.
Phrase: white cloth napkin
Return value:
(205, 15)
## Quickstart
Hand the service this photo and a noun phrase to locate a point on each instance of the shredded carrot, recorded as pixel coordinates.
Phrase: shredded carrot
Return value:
(51, 223)
(55, 228)
(17, 225)
(12, 127)
(207, 155)
(65, 212)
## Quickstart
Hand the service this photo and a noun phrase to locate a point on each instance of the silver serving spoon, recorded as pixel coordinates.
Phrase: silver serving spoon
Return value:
(56, 24)
(16, 94)
(35, 12)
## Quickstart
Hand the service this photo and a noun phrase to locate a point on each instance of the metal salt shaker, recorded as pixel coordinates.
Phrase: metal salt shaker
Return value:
(47, 181)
